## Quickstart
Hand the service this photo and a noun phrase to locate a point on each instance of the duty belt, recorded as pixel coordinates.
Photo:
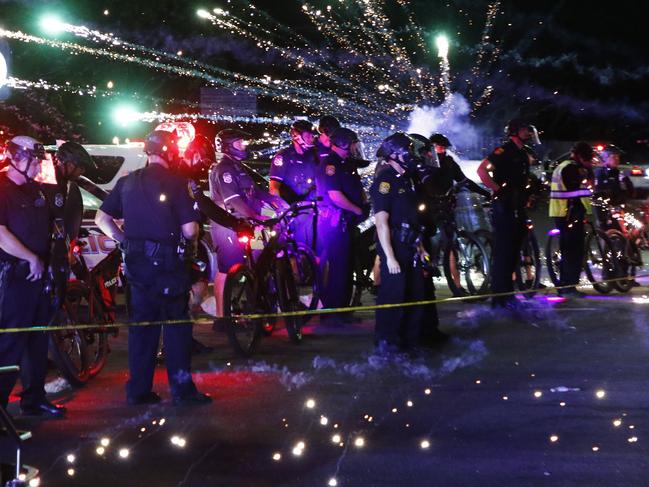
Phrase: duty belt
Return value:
(405, 233)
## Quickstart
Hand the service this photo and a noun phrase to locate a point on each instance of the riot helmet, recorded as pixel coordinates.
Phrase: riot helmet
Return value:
(233, 143)
(74, 153)
(302, 134)
(163, 144)
(343, 138)
(441, 140)
(515, 125)
(326, 127)
(27, 148)
(421, 143)
(328, 124)
(399, 147)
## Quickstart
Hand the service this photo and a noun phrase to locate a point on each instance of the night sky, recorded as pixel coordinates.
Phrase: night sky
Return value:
(578, 70)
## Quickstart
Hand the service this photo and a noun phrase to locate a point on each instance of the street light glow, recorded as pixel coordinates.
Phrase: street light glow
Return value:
(52, 24)
(203, 14)
(125, 115)
(441, 41)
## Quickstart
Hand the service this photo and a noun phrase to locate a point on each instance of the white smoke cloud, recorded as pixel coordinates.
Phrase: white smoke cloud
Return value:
(451, 118)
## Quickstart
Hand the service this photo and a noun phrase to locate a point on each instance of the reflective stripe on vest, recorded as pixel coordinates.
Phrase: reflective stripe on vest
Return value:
(559, 194)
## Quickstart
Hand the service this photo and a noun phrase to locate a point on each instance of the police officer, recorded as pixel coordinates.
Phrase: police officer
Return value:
(570, 202)
(157, 212)
(326, 127)
(343, 203)
(64, 198)
(395, 204)
(233, 189)
(25, 236)
(293, 174)
(610, 185)
(198, 157)
(73, 161)
(505, 172)
(449, 170)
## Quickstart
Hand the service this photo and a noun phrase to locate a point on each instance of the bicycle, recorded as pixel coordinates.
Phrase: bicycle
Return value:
(90, 298)
(363, 257)
(601, 261)
(465, 259)
(527, 274)
(283, 277)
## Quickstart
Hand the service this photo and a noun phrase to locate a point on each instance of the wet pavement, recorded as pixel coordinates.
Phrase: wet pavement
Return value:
(555, 395)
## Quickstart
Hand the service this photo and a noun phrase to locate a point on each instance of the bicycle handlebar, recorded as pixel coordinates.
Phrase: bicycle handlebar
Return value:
(293, 210)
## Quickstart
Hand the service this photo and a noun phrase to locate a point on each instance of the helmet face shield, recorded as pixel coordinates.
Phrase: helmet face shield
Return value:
(534, 135)
(234, 143)
(357, 150)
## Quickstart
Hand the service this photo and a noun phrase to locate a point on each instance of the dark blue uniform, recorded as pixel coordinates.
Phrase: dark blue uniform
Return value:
(25, 211)
(510, 166)
(613, 186)
(335, 229)
(228, 181)
(321, 151)
(154, 204)
(395, 194)
(297, 174)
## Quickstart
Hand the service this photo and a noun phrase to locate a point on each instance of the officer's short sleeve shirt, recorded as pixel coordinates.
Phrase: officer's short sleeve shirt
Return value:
(278, 166)
(396, 195)
(112, 204)
(328, 178)
(154, 203)
(25, 211)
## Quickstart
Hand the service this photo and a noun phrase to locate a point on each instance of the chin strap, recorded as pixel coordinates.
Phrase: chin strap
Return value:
(23, 173)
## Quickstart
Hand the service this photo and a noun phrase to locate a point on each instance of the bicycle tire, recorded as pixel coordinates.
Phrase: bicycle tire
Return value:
(599, 262)
(626, 267)
(529, 250)
(486, 238)
(288, 299)
(306, 273)
(240, 298)
(553, 259)
(472, 262)
(78, 354)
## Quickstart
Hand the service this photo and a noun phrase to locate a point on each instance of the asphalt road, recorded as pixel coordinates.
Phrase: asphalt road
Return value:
(553, 396)
(489, 403)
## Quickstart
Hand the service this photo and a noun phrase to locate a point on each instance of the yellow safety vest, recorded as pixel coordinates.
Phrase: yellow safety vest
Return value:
(559, 194)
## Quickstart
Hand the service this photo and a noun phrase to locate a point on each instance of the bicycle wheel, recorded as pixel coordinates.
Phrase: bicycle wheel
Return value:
(471, 264)
(306, 274)
(528, 271)
(289, 299)
(78, 354)
(600, 263)
(553, 259)
(240, 298)
(486, 238)
(625, 257)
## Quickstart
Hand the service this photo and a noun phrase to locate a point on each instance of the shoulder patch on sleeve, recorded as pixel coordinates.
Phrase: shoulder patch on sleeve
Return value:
(278, 160)
(384, 187)
(330, 170)
(499, 150)
(227, 178)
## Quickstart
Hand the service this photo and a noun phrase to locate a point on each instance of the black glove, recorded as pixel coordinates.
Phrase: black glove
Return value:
(195, 188)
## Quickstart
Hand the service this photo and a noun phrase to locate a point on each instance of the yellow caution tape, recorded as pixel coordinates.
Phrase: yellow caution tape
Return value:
(289, 314)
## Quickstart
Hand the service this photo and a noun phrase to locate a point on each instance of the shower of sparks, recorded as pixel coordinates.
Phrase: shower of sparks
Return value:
(367, 67)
